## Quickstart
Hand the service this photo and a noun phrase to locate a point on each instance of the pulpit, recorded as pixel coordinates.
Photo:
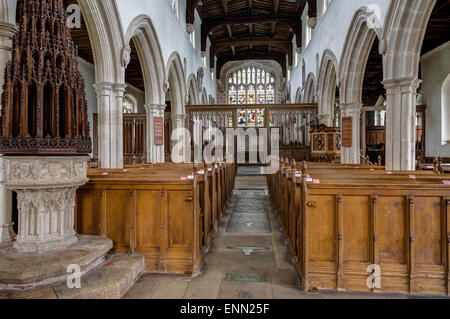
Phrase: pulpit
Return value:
(325, 144)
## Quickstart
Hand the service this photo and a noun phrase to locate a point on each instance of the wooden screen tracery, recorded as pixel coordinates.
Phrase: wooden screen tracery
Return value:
(44, 108)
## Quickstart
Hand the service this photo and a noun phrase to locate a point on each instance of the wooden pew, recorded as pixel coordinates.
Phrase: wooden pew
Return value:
(165, 212)
(221, 184)
(342, 220)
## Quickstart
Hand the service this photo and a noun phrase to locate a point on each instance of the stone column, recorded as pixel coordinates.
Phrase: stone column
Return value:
(352, 155)
(110, 124)
(309, 126)
(7, 31)
(400, 124)
(6, 231)
(155, 153)
(363, 134)
(46, 188)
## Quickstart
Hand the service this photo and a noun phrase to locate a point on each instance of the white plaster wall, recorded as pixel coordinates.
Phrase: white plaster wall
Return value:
(435, 70)
(330, 33)
(171, 33)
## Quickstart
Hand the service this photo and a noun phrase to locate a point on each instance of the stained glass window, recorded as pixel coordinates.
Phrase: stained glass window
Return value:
(260, 117)
(261, 95)
(242, 94)
(233, 95)
(242, 118)
(251, 85)
(270, 94)
(271, 121)
(251, 94)
(251, 121)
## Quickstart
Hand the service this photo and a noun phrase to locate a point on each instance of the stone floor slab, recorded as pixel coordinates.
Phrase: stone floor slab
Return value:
(233, 290)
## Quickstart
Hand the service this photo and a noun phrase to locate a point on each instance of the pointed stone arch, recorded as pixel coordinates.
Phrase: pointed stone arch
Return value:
(298, 96)
(357, 47)
(204, 97)
(194, 98)
(142, 32)
(310, 89)
(404, 32)
(176, 80)
(327, 84)
(107, 39)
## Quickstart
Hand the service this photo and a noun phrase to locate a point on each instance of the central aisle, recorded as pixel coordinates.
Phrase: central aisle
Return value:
(248, 258)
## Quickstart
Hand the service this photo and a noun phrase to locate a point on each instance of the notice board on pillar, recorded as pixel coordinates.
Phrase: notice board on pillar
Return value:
(158, 130)
(347, 131)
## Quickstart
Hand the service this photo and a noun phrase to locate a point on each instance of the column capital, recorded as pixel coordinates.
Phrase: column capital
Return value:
(119, 88)
(103, 88)
(181, 116)
(350, 108)
(155, 107)
(412, 82)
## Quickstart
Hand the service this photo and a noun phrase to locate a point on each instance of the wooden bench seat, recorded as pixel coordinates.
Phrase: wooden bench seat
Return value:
(355, 218)
(167, 213)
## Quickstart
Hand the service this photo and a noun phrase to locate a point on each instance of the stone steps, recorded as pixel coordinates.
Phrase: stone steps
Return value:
(111, 280)
(25, 271)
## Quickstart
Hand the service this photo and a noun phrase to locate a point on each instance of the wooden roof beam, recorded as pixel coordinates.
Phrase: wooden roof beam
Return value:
(283, 44)
(312, 13)
(225, 6)
(276, 5)
(230, 31)
(190, 13)
(250, 40)
(210, 24)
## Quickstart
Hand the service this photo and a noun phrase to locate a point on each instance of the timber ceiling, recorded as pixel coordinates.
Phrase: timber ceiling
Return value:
(372, 86)
(438, 29)
(263, 29)
(251, 29)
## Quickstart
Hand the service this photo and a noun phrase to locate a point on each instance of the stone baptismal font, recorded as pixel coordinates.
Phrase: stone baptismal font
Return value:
(45, 143)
